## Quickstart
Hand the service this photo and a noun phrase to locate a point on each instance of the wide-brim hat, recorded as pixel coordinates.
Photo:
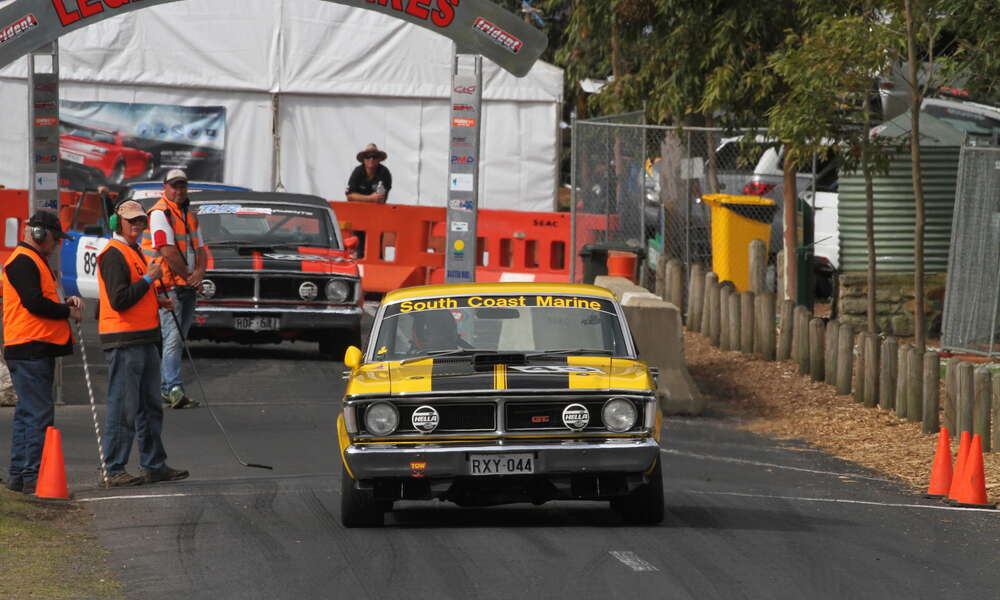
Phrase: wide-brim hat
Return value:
(371, 149)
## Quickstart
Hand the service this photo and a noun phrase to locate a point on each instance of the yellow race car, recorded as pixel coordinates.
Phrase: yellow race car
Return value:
(484, 394)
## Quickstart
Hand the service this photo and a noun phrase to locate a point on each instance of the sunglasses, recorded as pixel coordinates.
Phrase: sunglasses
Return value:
(137, 221)
(368, 156)
(178, 184)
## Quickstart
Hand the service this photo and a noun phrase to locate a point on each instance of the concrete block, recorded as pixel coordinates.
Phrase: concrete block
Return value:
(658, 331)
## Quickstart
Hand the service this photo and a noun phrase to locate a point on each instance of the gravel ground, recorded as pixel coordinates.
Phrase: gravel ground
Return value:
(772, 399)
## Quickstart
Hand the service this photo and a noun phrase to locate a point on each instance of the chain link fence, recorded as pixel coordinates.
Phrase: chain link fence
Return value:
(639, 188)
(971, 320)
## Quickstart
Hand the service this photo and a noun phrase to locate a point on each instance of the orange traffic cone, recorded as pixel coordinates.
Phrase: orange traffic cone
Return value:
(963, 453)
(52, 474)
(941, 471)
(972, 487)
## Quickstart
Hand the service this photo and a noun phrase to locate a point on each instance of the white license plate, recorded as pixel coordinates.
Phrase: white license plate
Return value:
(71, 157)
(501, 464)
(256, 323)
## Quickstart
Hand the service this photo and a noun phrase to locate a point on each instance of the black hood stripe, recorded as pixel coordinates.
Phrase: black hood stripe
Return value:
(457, 375)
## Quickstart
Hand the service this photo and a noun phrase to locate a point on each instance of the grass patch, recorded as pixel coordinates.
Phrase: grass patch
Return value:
(46, 552)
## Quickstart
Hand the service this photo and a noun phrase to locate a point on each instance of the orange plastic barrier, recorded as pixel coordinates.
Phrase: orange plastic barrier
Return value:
(401, 245)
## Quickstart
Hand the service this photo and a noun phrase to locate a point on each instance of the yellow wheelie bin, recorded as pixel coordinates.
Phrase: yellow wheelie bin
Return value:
(736, 221)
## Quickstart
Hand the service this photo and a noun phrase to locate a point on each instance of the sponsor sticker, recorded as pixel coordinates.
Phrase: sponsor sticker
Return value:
(46, 122)
(460, 226)
(462, 107)
(498, 35)
(464, 89)
(46, 158)
(461, 182)
(554, 369)
(463, 122)
(453, 274)
(46, 181)
(44, 105)
(463, 160)
(301, 257)
(455, 303)
(17, 28)
(457, 204)
(218, 209)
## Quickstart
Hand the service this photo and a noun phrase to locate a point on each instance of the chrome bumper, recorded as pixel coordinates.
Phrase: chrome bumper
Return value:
(564, 458)
(337, 317)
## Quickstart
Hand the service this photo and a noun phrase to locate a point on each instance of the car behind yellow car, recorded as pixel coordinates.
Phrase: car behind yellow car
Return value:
(484, 394)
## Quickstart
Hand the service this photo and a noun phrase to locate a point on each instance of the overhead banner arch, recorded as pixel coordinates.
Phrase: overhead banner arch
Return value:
(476, 26)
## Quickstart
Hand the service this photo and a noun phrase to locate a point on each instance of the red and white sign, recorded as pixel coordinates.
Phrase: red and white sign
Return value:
(25, 23)
(460, 122)
(499, 36)
(46, 122)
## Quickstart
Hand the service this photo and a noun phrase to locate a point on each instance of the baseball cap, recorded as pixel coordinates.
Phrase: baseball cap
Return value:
(48, 220)
(175, 175)
(130, 209)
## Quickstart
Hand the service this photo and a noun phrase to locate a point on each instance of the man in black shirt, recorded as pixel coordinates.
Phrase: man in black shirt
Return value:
(35, 332)
(371, 180)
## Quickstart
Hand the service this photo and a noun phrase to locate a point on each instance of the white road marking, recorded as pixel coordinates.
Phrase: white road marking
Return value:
(842, 501)
(744, 461)
(632, 560)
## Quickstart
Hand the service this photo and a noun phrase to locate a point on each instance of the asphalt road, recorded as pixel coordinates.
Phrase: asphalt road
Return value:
(746, 517)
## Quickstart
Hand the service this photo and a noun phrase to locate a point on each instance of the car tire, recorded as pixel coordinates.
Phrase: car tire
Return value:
(358, 508)
(644, 506)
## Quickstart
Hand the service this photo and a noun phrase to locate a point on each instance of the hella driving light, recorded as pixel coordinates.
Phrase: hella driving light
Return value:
(308, 291)
(337, 290)
(207, 289)
(381, 418)
(619, 415)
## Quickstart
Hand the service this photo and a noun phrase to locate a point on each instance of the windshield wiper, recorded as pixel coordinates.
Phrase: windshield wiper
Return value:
(600, 351)
(454, 352)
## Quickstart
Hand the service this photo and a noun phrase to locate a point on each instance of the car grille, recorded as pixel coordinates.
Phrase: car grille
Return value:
(452, 417)
(540, 416)
(232, 288)
(285, 288)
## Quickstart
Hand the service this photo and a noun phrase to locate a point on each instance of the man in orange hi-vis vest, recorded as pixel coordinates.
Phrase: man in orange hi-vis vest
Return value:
(35, 331)
(129, 328)
(174, 235)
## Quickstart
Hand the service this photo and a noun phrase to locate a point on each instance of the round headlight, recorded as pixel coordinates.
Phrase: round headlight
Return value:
(381, 418)
(619, 415)
(207, 288)
(308, 291)
(337, 290)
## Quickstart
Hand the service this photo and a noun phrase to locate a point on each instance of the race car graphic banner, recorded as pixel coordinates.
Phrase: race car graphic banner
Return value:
(476, 26)
(113, 143)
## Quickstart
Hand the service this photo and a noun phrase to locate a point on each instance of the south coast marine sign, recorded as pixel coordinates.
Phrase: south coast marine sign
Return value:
(476, 26)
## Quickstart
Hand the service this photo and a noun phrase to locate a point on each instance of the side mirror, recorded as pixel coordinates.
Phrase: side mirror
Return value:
(351, 242)
(352, 358)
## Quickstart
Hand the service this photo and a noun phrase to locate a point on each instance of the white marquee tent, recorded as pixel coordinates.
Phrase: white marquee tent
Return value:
(327, 78)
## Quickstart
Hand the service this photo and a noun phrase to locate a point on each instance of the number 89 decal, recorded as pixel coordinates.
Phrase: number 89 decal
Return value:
(90, 263)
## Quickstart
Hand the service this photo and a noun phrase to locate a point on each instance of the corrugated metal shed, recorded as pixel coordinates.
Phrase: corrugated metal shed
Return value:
(895, 210)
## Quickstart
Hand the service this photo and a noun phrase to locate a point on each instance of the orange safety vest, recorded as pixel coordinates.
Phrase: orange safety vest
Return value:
(184, 238)
(19, 325)
(143, 316)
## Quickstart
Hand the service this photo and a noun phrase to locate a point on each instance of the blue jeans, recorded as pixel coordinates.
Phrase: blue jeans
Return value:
(134, 408)
(34, 413)
(173, 350)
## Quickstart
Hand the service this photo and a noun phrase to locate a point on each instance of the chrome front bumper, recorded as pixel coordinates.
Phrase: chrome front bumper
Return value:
(336, 317)
(446, 461)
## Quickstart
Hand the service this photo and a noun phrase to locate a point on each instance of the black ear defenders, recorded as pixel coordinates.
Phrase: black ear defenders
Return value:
(39, 233)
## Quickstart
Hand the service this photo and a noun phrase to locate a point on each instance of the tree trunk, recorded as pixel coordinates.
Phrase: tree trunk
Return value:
(869, 224)
(791, 228)
(920, 330)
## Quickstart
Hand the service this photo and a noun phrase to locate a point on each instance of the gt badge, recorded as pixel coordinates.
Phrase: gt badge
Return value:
(576, 417)
(425, 419)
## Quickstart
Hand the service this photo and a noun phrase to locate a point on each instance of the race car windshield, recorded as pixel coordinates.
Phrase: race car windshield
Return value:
(260, 224)
(532, 324)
